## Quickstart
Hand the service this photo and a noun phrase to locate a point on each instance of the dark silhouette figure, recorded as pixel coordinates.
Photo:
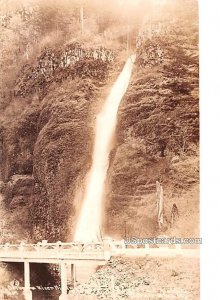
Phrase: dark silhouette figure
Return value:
(174, 213)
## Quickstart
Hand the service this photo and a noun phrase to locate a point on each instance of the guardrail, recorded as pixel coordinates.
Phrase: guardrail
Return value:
(99, 250)
(44, 251)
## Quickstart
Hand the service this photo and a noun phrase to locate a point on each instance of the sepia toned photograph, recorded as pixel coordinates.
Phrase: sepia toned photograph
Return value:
(99, 150)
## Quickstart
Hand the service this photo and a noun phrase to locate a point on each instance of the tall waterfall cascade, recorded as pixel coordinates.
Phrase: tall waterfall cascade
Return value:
(89, 222)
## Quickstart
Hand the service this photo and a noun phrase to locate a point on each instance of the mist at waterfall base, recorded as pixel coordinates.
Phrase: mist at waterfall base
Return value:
(89, 222)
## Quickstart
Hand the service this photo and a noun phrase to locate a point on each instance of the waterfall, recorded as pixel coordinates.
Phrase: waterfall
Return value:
(89, 223)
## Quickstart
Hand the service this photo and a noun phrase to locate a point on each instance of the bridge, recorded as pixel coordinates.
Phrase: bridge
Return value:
(75, 255)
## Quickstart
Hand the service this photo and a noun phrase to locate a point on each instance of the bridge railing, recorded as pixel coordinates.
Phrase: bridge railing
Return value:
(53, 250)
(99, 250)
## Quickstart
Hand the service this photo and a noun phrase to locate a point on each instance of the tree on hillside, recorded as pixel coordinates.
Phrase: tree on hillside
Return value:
(49, 17)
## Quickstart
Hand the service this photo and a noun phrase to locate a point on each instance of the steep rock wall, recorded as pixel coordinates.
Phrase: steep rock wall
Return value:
(157, 135)
(50, 143)
(62, 154)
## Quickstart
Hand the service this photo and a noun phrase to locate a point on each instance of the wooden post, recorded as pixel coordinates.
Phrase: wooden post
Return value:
(73, 274)
(159, 194)
(63, 275)
(27, 287)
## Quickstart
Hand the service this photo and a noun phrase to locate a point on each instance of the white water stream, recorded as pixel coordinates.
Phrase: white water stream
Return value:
(89, 222)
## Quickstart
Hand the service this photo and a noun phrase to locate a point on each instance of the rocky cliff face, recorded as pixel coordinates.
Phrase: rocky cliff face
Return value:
(46, 153)
(61, 155)
(18, 140)
(157, 135)
(55, 65)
